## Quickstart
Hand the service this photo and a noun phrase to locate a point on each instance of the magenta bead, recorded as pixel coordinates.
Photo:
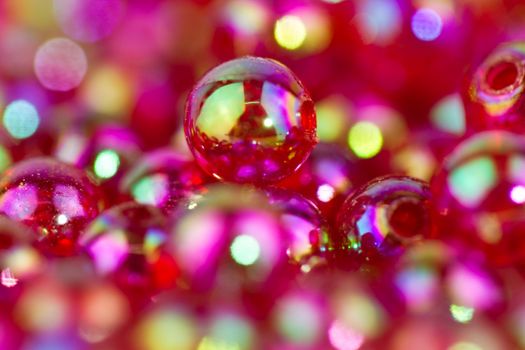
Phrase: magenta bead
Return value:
(127, 244)
(55, 199)
(250, 120)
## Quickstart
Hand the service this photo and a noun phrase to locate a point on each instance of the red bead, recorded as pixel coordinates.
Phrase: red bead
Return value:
(384, 216)
(55, 199)
(495, 93)
(164, 178)
(127, 243)
(250, 120)
(479, 194)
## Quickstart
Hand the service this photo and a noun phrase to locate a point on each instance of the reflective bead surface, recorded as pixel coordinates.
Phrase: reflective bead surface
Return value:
(384, 216)
(55, 199)
(495, 92)
(250, 120)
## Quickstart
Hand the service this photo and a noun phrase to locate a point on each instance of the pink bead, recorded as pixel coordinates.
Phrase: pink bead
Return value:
(127, 243)
(250, 120)
(234, 249)
(383, 217)
(55, 199)
(479, 194)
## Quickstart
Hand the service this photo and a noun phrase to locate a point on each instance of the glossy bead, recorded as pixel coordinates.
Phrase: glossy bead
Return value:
(479, 194)
(164, 178)
(495, 93)
(126, 243)
(250, 120)
(307, 228)
(231, 243)
(55, 199)
(384, 216)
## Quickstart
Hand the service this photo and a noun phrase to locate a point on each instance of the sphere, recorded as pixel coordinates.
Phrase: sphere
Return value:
(164, 178)
(384, 216)
(126, 244)
(479, 194)
(232, 244)
(55, 199)
(250, 120)
(494, 93)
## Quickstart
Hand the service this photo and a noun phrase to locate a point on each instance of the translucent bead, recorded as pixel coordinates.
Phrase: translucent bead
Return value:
(163, 179)
(495, 93)
(479, 194)
(53, 198)
(250, 120)
(307, 228)
(384, 216)
(232, 243)
(127, 243)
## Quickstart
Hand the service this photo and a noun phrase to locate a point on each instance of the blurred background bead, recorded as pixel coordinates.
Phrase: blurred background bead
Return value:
(478, 196)
(164, 179)
(250, 120)
(127, 245)
(233, 250)
(55, 199)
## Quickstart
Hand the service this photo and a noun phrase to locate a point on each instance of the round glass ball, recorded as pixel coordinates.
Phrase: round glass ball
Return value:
(55, 199)
(250, 120)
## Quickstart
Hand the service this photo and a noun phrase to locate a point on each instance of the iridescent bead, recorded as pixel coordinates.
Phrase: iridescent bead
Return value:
(495, 93)
(126, 243)
(479, 194)
(250, 120)
(231, 243)
(55, 199)
(163, 178)
(307, 228)
(384, 216)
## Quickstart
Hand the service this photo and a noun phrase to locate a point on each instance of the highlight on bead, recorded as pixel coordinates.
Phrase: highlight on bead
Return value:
(378, 21)
(365, 139)
(449, 115)
(290, 32)
(426, 24)
(245, 250)
(107, 164)
(60, 64)
(21, 119)
(461, 314)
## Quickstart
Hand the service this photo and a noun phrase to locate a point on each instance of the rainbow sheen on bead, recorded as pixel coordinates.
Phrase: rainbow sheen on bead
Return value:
(479, 197)
(55, 199)
(384, 216)
(494, 96)
(307, 228)
(127, 243)
(164, 178)
(250, 120)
